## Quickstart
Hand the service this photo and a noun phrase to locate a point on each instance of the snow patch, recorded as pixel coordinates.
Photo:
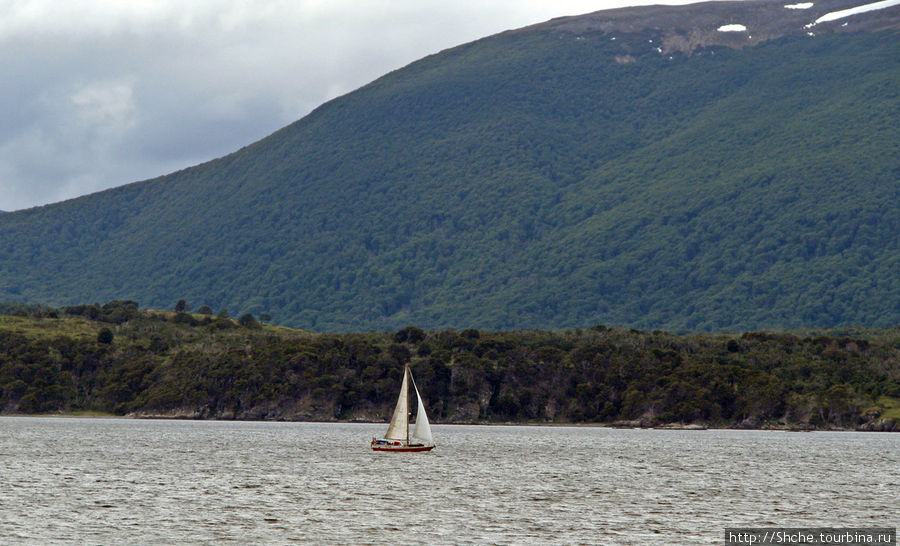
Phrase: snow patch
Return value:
(834, 15)
(742, 28)
(801, 5)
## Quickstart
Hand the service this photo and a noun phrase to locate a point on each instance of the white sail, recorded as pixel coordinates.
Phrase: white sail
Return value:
(422, 432)
(399, 427)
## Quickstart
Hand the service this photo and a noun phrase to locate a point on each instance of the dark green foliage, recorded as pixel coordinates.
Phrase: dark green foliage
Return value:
(185, 318)
(105, 335)
(199, 369)
(528, 180)
(410, 334)
(247, 321)
(222, 323)
(27, 309)
(115, 311)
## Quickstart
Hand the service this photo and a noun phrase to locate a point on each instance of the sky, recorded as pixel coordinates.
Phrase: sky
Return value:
(101, 93)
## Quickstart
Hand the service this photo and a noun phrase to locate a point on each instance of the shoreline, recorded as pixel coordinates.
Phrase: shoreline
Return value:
(615, 425)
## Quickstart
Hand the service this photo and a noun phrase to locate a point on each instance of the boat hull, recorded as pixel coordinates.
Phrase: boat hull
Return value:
(398, 446)
(402, 449)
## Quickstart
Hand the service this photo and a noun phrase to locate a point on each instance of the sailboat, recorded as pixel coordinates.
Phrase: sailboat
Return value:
(397, 438)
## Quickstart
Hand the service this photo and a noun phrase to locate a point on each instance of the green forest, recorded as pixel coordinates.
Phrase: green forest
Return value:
(119, 359)
(527, 180)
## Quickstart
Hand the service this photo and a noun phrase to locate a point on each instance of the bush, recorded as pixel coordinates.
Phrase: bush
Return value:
(105, 335)
(247, 321)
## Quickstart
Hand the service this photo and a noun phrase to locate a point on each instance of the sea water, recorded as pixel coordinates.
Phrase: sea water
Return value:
(117, 481)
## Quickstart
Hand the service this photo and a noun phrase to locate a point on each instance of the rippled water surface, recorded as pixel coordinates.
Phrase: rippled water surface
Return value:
(116, 481)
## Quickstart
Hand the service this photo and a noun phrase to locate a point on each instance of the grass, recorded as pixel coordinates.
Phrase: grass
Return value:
(890, 407)
(39, 328)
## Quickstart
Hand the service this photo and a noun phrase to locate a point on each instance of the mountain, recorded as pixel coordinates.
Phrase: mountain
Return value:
(726, 165)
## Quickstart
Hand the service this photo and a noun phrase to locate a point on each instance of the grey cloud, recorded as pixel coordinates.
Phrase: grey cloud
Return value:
(127, 95)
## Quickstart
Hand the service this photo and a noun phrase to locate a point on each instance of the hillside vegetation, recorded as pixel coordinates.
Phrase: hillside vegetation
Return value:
(117, 359)
(533, 179)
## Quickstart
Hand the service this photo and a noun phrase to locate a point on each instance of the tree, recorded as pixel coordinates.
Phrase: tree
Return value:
(205, 310)
(409, 334)
(105, 335)
(181, 306)
(265, 317)
(184, 318)
(247, 321)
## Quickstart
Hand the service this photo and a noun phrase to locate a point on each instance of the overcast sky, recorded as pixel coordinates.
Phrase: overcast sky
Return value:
(101, 93)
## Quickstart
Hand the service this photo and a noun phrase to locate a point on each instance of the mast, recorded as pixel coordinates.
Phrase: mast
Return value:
(406, 373)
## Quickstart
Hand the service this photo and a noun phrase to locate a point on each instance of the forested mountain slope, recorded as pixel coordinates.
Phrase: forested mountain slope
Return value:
(637, 167)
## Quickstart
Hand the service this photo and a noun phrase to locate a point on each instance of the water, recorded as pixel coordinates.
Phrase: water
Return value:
(115, 481)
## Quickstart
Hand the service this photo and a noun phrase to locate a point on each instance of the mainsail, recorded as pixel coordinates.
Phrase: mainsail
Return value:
(399, 427)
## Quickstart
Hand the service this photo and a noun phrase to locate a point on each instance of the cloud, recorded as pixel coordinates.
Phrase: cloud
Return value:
(105, 107)
(102, 93)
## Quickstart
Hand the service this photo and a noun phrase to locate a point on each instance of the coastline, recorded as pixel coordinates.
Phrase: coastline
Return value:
(891, 426)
